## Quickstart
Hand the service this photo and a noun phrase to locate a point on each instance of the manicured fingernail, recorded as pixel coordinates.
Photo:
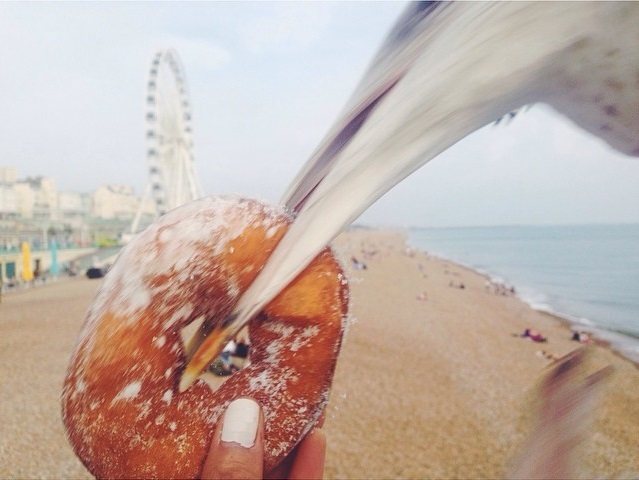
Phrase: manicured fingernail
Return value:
(240, 422)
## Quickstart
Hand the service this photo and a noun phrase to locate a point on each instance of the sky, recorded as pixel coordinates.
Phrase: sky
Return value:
(266, 82)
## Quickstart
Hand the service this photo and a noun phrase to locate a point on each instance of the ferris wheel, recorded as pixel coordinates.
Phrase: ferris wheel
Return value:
(172, 180)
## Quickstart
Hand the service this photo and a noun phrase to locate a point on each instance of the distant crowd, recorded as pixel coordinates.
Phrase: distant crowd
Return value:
(499, 288)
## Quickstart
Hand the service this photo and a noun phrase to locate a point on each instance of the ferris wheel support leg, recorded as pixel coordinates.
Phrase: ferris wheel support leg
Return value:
(136, 221)
(195, 189)
(179, 198)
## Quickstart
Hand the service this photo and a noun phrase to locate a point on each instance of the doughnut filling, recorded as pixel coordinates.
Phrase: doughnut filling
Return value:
(122, 409)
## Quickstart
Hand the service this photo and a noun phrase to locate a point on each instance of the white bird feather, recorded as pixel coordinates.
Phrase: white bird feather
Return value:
(446, 70)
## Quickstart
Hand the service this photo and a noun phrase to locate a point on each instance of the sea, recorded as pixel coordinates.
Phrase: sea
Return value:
(587, 274)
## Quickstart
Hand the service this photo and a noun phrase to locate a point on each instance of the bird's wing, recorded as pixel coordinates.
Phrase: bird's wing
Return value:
(387, 68)
(446, 70)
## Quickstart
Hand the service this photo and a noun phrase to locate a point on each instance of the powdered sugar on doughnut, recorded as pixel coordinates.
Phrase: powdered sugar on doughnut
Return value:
(130, 391)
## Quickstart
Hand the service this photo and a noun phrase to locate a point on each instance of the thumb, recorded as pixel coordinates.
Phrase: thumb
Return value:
(237, 447)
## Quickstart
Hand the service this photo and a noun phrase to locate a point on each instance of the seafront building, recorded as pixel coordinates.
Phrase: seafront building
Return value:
(35, 213)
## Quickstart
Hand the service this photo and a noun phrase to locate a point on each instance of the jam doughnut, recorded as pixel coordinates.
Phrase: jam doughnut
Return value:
(122, 407)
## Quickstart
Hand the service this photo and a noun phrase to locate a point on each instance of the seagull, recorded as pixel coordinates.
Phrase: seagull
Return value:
(445, 70)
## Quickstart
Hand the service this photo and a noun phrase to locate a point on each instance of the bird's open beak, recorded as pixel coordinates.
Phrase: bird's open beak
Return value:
(304, 198)
(399, 117)
(205, 346)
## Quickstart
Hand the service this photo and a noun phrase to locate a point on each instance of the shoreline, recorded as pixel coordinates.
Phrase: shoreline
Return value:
(599, 335)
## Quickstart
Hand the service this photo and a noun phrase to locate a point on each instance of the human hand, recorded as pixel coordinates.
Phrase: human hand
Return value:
(237, 448)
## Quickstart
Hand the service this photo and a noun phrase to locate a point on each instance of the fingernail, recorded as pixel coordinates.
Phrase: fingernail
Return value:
(240, 422)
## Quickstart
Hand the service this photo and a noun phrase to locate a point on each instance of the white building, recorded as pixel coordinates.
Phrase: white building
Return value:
(74, 206)
(114, 202)
(37, 198)
(32, 210)
(8, 206)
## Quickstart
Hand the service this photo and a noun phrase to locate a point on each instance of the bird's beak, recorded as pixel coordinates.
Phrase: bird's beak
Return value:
(399, 117)
(206, 345)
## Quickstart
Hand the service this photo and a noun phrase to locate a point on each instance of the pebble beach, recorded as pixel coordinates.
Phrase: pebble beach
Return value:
(434, 380)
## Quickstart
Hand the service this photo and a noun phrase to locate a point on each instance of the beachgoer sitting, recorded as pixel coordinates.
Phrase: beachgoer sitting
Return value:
(534, 335)
(357, 265)
(227, 364)
(581, 337)
(241, 350)
(547, 355)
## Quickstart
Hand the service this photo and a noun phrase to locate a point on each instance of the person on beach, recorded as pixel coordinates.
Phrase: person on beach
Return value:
(227, 352)
(242, 349)
(357, 265)
(534, 335)
(547, 355)
(581, 337)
